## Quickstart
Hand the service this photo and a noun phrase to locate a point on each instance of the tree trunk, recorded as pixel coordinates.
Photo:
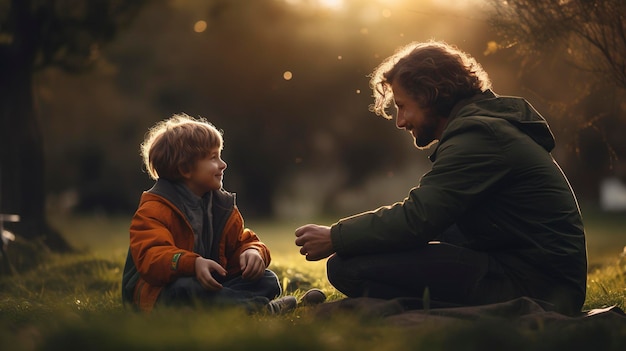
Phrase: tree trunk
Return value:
(22, 188)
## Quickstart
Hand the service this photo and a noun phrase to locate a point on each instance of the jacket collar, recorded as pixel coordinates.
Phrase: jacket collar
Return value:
(166, 189)
(485, 95)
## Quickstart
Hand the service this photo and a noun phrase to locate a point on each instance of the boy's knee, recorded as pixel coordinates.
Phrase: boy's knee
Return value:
(271, 284)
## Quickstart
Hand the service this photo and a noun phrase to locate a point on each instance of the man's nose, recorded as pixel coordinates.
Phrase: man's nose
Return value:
(400, 122)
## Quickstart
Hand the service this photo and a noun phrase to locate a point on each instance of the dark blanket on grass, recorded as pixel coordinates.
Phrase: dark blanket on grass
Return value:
(523, 312)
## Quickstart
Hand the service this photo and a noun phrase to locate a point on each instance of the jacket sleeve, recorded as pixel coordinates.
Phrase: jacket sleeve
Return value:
(237, 240)
(468, 164)
(157, 257)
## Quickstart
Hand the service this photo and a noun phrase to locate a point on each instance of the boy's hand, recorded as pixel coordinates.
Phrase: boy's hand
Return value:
(252, 264)
(204, 267)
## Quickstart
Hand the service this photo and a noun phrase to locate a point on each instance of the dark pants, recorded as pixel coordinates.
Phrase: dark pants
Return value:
(236, 291)
(454, 275)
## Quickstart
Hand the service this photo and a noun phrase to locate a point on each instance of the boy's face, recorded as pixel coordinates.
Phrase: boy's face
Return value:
(207, 173)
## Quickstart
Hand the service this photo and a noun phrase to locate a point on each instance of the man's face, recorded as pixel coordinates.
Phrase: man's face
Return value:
(424, 125)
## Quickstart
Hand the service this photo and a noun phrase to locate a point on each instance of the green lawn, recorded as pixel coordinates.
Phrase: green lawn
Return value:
(72, 302)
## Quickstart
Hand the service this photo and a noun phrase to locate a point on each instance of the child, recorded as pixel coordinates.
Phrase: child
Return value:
(188, 243)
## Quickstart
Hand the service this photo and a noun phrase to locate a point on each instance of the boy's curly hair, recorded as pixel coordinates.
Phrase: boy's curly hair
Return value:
(175, 144)
(435, 74)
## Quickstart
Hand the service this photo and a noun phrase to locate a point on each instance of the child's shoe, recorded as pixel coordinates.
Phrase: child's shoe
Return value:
(312, 297)
(282, 305)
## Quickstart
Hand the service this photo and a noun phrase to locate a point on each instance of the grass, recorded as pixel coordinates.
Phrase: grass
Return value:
(72, 302)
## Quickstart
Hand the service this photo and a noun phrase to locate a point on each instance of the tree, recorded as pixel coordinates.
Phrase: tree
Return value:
(36, 34)
(592, 32)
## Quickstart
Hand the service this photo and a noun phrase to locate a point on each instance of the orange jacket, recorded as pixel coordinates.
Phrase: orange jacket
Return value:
(162, 240)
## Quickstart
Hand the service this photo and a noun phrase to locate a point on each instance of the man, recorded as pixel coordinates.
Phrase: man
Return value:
(505, 217)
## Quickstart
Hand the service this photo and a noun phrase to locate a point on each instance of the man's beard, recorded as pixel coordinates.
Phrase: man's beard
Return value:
(426, 137)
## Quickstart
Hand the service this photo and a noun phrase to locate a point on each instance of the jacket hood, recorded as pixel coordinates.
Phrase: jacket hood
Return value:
(515, 110)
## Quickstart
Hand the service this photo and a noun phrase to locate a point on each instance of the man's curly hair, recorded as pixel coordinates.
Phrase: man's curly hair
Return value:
(435, 74)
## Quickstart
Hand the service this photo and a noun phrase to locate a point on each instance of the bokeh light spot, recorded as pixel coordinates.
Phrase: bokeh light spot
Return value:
(287, 75)
(199, 26)
(492, 47)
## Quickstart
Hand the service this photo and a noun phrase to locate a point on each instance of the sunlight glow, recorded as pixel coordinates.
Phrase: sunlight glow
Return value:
(458, 4)
(331, 4)
(334, 5)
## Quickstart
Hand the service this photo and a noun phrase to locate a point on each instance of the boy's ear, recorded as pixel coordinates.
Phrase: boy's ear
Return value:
(185, 171)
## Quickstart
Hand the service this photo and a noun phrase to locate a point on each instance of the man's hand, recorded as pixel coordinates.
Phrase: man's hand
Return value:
(252, 264)
(204, 267)
(314, 241)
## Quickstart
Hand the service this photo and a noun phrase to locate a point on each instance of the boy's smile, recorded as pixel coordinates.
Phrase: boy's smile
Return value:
(207, 173)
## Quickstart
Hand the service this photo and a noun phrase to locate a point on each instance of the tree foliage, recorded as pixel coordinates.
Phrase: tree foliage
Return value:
(63, 33)
(592, 32)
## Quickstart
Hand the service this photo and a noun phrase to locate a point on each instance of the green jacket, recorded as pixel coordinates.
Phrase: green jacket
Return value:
(493, 176)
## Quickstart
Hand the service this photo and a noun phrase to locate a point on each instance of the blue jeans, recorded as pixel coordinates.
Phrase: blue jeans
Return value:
(236, 291)
(454, 275)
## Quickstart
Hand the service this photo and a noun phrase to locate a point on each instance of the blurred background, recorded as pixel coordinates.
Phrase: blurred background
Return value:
(287, 82)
